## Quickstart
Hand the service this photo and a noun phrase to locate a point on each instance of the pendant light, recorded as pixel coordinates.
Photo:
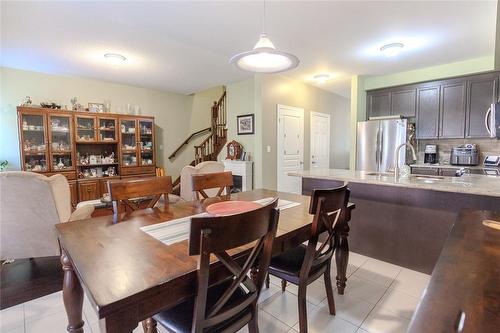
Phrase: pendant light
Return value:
(264, 58)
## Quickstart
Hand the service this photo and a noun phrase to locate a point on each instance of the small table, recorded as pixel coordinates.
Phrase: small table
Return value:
(129, 276)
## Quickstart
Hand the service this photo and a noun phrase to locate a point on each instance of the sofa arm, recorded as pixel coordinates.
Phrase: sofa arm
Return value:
(82, 213)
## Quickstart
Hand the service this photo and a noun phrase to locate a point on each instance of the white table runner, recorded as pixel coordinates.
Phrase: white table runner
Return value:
(177, 230)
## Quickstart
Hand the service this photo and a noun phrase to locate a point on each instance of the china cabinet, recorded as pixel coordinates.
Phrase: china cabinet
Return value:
(88, 148)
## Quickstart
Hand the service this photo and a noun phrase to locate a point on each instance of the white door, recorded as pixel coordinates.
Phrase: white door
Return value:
(320, 141)
(290, 147)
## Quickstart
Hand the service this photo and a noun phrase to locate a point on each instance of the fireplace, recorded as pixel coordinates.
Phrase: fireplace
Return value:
(237, 184)
(242, 174)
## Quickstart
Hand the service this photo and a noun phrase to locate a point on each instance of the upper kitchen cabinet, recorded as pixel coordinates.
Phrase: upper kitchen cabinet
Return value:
(428, 112)
(404, 102)
(379, 103)
(452, 110)
(482, 91)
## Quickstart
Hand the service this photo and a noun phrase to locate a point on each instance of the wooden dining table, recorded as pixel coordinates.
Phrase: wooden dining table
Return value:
(128, 275)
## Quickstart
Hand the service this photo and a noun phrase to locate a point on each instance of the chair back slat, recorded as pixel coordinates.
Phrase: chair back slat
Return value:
(216, 235)
(151, 189)
(223, 181)
(329, 207)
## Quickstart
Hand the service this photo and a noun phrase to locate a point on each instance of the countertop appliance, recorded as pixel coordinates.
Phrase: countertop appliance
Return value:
(467, 154)
(491, 161)
(430, 154)
(492, 120)
(378, 139)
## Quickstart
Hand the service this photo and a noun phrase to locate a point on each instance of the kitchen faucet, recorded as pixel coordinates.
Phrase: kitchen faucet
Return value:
(396, 158)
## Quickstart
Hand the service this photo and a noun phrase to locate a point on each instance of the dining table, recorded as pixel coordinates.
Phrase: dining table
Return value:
(129, 275)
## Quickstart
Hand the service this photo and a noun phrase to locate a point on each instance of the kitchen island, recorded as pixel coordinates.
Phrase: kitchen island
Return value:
(405, 221)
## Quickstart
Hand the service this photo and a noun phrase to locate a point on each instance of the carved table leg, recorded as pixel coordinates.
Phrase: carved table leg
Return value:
(149, 325)
(72, 296)
(342, 256)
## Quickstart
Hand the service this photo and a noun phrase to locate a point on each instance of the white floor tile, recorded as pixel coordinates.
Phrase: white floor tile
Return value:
(378, 271)
(364, 289)
(411, 282)
(12, 319)
(398, 302)
(89, 312)
(55, 322)
(319, 320)
(381, 320)
(352, 309)
(44, 306)
(285, 308)
(354, 262)
(266, 293)
(268, 323)
(316, 291)
(360, 330)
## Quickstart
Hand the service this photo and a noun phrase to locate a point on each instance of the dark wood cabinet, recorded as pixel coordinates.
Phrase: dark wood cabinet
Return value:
(482, 91)
(88, 190)
(379, 104)
(73, 192)
(425, 171)
(452, 110)
(404, 103)
(428, 112)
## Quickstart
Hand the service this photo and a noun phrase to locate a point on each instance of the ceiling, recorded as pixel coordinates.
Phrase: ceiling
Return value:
(184, 47)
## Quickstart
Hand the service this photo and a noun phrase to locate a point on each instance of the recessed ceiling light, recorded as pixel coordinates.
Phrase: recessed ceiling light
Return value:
(392, 50)
(321, 78)
(114, 58)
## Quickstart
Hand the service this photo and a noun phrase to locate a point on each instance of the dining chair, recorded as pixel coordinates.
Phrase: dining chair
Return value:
(223, 181)
(304, 264)
(230, 305)
(125, 194)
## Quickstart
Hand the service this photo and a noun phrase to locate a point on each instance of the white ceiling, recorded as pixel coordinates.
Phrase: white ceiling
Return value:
(185, 46)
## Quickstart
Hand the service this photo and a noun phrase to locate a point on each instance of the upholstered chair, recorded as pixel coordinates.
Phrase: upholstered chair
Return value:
(186, 178)
(30, 205)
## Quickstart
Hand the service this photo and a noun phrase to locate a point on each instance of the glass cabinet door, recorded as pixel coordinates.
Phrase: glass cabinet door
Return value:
(146, 142)
(34, 142)
(85, 129)
(60, 140)
(128, 142)
(107, 129)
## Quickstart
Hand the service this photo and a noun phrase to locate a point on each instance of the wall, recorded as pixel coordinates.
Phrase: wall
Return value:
(172, 111)
(278, 89)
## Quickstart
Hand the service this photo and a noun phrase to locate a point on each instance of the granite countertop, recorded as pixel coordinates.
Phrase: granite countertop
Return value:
(467, 184)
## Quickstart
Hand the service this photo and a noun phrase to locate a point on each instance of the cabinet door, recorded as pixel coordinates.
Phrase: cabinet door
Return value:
(452, 117)
(107, 129)
(61, 142)
(129, 140)
(404, 103)
(85, 128)
(427, 112)
(34, 143)
(88, 190)
(448, 172)
(74, 193)
(481, 93)
(146, 144)
(379, 104)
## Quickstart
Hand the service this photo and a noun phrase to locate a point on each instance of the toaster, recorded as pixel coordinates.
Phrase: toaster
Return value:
(467, 154)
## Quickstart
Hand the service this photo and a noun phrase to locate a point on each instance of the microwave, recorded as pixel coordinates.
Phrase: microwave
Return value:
(492, 120)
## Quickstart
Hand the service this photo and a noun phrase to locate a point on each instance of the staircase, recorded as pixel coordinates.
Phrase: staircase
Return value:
(209, 149)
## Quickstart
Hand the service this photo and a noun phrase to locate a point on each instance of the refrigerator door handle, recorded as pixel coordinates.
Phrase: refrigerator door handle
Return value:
(377, 146)
(381, 149)
(487, 121)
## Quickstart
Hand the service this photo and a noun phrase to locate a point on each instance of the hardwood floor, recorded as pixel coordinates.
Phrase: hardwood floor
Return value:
(27, 279)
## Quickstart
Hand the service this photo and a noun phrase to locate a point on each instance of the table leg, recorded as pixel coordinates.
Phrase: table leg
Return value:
(342, 256)
(72, 296)
(149, 326)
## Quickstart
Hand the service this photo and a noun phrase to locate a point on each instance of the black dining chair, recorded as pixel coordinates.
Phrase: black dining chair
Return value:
(230, 305)
(304, 264)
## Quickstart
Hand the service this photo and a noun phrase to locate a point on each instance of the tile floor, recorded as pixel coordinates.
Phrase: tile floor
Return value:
(380, 298)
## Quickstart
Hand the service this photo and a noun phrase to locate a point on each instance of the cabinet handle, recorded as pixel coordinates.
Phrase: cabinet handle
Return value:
(88, 189)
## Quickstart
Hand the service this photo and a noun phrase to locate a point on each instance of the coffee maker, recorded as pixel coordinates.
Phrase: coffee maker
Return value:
(430, 154)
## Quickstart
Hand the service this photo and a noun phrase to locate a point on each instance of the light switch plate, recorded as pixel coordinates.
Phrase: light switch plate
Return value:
(268, 149)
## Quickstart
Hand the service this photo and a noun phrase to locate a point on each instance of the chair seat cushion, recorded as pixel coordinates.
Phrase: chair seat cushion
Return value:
(289, 262)
(179, 319)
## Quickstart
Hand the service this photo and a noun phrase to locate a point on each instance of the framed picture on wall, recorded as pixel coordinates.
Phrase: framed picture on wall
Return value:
(245, 124)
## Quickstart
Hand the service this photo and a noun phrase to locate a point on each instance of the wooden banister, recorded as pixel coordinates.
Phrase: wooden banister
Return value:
(208, 129)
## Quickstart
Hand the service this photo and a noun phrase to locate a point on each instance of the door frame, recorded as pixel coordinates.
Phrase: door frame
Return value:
(324, 115)
(281, 109)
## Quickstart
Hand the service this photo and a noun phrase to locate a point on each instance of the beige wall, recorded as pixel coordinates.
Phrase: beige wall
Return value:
(278, 89)
(175, 114)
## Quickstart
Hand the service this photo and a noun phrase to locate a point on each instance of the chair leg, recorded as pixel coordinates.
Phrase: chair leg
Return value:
(283, 286)
(329, 291)
(253, 324)
(302, 309)
(149, 326)
(267, 281)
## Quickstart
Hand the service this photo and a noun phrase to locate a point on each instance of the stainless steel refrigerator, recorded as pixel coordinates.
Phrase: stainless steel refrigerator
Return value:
(377, 141)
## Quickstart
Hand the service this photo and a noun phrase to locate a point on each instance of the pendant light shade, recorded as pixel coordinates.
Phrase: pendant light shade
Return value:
(264, 58)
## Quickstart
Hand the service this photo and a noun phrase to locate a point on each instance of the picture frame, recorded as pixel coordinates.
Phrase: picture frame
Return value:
(97, 107)
(245, 124)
